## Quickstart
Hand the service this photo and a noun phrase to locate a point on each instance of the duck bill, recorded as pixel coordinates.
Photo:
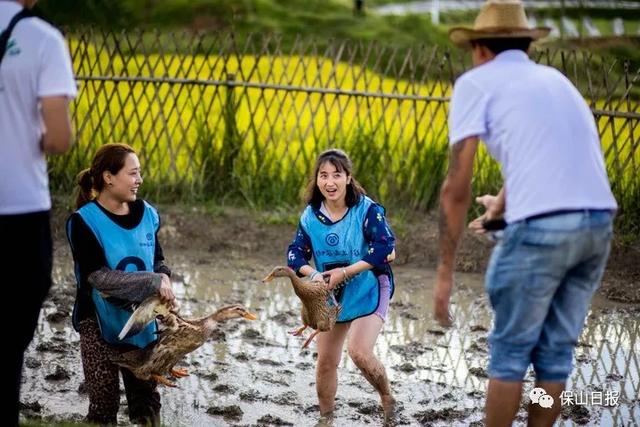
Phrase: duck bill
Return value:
(250, 316)
(269, 278)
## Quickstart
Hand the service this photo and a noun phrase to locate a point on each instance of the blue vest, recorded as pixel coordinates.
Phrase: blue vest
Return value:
(125, 250)
(340, 244)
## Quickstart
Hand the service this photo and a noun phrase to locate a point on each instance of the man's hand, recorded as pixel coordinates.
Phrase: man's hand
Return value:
(441, 297)
(494, 208)
(165, 291)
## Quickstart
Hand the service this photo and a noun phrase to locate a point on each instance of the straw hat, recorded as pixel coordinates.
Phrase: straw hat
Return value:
(498, 19)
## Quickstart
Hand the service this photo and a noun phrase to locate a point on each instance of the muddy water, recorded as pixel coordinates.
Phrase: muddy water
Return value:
(255, 372)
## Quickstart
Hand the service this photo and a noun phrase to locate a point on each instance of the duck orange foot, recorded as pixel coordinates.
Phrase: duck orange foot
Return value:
(308, 341)
(162, 380)
(179, 373)
(299, 331)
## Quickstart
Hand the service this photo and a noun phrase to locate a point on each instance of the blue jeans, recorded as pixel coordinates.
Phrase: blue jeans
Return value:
(540, 281)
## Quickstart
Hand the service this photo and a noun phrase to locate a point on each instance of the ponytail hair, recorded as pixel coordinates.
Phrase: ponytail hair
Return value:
(110, 157)
(85, 191)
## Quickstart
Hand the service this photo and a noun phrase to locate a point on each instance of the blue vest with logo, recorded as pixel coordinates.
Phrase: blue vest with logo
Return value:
(125, 250)
(340, 244)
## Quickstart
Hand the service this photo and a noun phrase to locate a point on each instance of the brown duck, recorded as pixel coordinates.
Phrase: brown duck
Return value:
(316, 313)
(176, 338)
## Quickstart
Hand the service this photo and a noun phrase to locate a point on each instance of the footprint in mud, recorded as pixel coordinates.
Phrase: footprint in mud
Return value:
(478, 372)
(269, 362)
(32, 362)
(401, 305)
(272, 378)
(579, 414)
(218, 335)
(614, 377)
(59, 374)
(231, 327)
(408, 315)
(53, 347)
(406, 367)
(477, 348)
(410, 350)
(211, 376)
(272, 420)
(476, 394)
(57, 316)
(232, 412)
(31, 409)
(447, 414)
(251, 334)
(242, 357)
(312, 409)
(224, 389)
(289, 398)
(304, 366)
(287, 318)
(583, 358)
(368, 407)
(251, 396)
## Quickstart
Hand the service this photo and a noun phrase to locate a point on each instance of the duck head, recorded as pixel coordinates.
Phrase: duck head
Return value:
(280, 271)
(234, 311)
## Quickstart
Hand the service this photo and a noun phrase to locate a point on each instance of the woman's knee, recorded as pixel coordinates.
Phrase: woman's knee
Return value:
(327, 364)
(359, 356)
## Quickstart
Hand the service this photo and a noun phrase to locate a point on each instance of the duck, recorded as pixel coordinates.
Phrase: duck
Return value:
(177, 337)
(316, 312)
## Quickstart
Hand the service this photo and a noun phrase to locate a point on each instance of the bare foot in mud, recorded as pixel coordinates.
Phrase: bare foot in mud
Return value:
(326, 420)
(390, 409)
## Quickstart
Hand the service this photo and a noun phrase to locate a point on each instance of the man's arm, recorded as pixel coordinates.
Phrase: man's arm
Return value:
(454, 202)
(58, 136)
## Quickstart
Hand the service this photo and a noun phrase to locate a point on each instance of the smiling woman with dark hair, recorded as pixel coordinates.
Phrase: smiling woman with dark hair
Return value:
(347, 235)
(118, 262)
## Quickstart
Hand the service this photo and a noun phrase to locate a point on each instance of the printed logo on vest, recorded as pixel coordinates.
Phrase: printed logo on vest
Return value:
(332, 239)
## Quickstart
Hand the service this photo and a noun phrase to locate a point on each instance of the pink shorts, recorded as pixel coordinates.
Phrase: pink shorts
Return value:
(385, 294)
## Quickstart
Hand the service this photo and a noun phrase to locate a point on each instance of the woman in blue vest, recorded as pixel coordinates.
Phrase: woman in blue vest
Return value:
(346, 234)
(118, 261)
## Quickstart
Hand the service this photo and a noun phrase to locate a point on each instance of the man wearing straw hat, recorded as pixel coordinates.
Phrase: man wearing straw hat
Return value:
(556, 201)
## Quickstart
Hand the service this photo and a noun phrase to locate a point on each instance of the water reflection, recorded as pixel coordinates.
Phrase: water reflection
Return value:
(438, 375)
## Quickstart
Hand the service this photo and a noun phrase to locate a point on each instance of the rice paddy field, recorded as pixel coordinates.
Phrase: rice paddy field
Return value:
(225, 120)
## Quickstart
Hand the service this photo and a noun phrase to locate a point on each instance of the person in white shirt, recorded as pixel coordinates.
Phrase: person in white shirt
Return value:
(36, 83)
(556, 201)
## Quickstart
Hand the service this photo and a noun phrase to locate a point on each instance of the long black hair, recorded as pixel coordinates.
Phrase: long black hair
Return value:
(342, 163)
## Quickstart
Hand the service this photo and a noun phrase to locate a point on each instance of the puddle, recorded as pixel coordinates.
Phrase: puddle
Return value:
(255, 372)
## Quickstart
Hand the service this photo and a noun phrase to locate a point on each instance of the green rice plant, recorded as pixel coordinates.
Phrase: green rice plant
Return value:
(244, 139)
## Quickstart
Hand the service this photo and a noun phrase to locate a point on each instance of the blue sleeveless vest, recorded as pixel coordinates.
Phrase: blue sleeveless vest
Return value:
(125, 250)
(340, 244)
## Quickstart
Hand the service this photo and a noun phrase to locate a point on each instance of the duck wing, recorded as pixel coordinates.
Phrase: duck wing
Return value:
(130, 359)
(144, 314)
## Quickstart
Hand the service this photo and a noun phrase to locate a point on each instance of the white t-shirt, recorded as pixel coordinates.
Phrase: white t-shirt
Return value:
(537, 125)
(36, 65)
